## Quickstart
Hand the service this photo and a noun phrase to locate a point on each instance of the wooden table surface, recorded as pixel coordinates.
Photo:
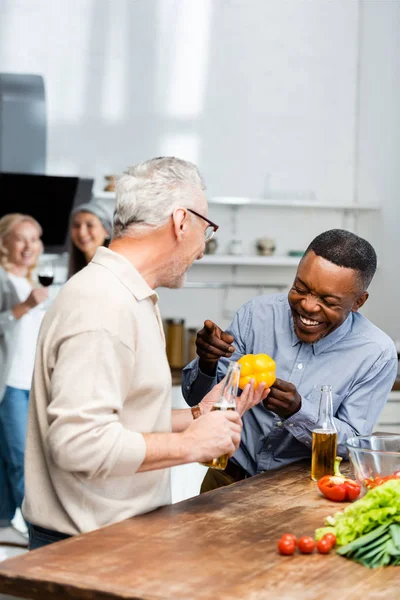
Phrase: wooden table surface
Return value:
(220, 546)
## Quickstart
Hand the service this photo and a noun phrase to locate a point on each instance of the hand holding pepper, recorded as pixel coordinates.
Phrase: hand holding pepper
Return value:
(212, 344)
(283, 399)
(249, 397)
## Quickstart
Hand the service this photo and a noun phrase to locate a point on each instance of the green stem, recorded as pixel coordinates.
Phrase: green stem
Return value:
(336, 467)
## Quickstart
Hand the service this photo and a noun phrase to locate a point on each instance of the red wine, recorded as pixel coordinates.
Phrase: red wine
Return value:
(46, 280)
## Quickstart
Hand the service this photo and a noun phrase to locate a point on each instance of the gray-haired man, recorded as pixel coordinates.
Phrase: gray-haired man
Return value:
(101, 434)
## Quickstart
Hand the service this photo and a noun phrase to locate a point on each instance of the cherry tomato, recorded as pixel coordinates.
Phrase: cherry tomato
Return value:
(331, 537)
(289, 536)
(286, 546)
(306, 544)
(324, 546)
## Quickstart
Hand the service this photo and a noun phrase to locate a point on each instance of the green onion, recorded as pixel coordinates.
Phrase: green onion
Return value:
(378, 548)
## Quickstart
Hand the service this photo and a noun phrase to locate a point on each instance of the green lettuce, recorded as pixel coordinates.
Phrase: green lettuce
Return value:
(380, 506)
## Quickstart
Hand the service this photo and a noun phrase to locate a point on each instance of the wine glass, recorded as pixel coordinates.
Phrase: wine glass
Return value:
(46, 277)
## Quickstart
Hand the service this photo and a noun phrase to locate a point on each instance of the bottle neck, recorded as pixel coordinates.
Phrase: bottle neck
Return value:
(227, 397)
(326, 420)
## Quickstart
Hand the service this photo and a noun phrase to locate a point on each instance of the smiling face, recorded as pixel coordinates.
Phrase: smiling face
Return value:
(87, 233)
(322, 296)
(23, 245)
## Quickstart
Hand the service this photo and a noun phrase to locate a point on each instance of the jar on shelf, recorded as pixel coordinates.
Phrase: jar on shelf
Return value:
(191, 344)
(265, 246)
(175, 342)
(235, 247)
(111, 182)
(211, 246)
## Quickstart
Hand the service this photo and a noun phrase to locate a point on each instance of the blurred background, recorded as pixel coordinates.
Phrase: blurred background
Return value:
(290, 108)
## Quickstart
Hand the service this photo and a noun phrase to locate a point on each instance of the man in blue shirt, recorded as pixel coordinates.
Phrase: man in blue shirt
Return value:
(316, 337)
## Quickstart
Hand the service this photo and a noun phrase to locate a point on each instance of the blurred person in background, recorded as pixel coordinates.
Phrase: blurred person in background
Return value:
(20, 319)
(91, 227)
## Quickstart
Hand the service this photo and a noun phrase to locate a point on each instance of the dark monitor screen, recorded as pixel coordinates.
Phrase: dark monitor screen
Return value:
(47, 198)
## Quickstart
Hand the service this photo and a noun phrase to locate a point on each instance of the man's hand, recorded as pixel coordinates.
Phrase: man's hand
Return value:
(213, 435)
(249, 397)
(211, 398)
(283, 399)
(212, 343)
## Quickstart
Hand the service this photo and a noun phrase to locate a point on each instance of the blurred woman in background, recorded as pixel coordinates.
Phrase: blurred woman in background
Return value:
(20, 319)
(91, 227)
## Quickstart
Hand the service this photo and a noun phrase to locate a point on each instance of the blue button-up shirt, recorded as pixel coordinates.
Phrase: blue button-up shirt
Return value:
(357, 359)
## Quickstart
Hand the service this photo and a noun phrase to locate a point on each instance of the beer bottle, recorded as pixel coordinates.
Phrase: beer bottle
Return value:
(226, 401)
(324, 437)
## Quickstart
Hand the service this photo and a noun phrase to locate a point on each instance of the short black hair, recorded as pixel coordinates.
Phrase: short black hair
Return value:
(348, 250)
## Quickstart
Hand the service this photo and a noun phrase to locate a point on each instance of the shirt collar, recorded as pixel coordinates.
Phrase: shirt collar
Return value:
(326, 342)
(127, 274)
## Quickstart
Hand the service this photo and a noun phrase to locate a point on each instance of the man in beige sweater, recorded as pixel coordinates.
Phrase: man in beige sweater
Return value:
(101, 433)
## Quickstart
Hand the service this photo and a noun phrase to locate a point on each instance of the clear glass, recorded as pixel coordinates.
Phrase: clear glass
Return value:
(373, 455)
(324, 437)
(226, 401)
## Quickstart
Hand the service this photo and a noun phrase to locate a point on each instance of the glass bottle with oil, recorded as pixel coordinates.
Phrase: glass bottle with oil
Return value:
(324, 437)
(226, 401)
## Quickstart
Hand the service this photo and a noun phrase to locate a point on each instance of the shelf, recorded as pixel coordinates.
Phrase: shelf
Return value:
(294, 203)
(273, 202)
(217, 285)
(261, 261)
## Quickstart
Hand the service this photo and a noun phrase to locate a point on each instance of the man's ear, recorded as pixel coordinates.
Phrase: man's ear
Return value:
(359, 302)
(180, 222)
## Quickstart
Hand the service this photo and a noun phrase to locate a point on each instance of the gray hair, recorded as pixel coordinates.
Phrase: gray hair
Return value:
(148, 193)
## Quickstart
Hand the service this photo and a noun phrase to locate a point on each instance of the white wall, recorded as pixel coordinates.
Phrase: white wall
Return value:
(379, 149)
(259, 93)
(246, 89)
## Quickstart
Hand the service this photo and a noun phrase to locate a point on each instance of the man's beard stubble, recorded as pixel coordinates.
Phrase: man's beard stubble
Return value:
(175, 275)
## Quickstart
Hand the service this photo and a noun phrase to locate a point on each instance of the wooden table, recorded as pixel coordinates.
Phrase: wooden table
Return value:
(220, 546)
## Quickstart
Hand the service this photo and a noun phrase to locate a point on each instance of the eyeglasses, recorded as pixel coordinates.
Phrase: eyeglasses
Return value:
(212, 227)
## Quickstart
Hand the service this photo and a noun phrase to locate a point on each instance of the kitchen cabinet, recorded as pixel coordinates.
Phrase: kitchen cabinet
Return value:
(389, 419)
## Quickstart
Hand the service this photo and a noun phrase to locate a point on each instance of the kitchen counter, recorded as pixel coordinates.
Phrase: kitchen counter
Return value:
(220, 546)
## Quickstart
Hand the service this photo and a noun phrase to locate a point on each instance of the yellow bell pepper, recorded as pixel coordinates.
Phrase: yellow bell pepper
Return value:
(259, 367)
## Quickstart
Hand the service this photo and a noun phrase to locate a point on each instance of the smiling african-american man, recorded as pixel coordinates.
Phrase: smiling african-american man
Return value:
(317, 337)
